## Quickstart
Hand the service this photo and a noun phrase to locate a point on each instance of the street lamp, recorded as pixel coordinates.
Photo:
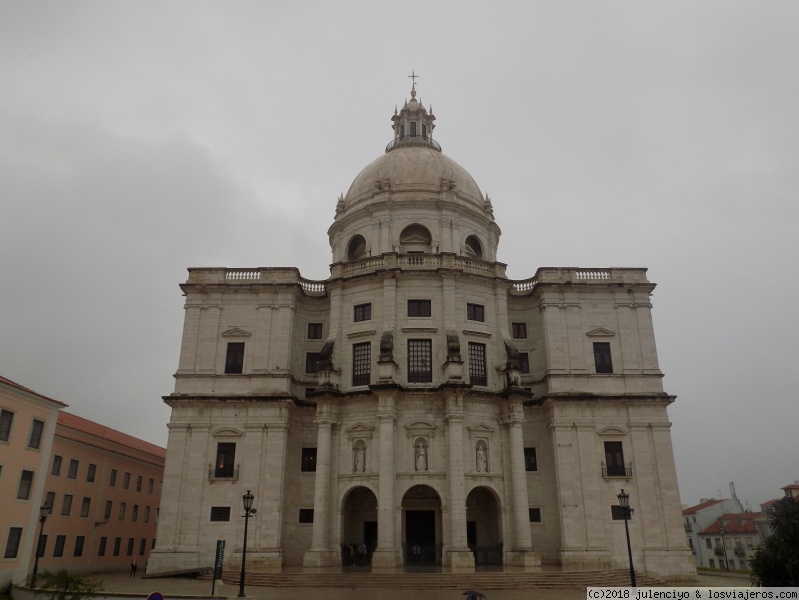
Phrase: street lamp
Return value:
(247, 499)
(624, 502)
(43, 510)
(723, 546)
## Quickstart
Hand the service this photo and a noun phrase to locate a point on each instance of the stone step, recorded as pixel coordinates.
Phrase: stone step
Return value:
(482, 580)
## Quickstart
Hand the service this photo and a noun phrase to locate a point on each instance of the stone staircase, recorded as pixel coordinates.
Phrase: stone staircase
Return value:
(490, 580)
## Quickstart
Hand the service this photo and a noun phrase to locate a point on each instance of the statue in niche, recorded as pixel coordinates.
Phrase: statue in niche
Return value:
(482, 459)
(360, 459)
(421, 458)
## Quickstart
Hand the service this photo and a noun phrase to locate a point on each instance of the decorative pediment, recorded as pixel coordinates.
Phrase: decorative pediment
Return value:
(420, 428)
(227, 432)
(359, 430)
(601, 332)
(612, 431)
(481, 428)
(236, 332)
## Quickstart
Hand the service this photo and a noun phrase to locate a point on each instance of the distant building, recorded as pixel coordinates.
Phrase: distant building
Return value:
(729, 542)
(418, 401)
(697, 518)
(102, 486)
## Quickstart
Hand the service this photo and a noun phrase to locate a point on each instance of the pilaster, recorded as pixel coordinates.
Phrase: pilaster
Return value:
(387, 556)
(457, 555)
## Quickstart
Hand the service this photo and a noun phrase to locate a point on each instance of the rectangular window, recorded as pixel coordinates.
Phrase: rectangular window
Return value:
(117, 546)
(311, 362)
(138, 483)
(122, 507)
(306, 515)
(614, 459)
(419, 308)
(420, 361)
(314, 331)
(535, 515)
(475, 312)
(413, 128)
(135, 515)
(35, 440)
(112, 480)
(142, 546)
(530, 460)
(6, 419)
(477, 364)
(712, 563)
(308, 464)
(12, 543)
(41, 547)
(424, 130)
(130, 547)
(602, 360)
(50, 502)
(150, 483)
(25, 484)
(85, 506)
(234, 361)
(66, 505)
(101, 547)
(73, 469)
(58, 549)
(109, 505)
(361, 363)
(56, 470)
(708, 544)
(126, 482)
(524, 362)
(146, 514)
(362, 312)
(79, 541)
(220, 513)
(91, 472)
(519, 330)
(617, 513)
(225, 459)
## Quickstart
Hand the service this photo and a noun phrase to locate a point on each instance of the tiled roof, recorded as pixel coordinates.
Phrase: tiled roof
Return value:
(793, 486)
(694, 509)
(14, 384)
(101, 431)
(732, 525)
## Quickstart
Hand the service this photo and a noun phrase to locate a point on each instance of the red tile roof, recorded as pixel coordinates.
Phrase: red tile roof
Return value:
(101, 431)
(793, 486)
(694, 509)
(732, 525)
(14, 384)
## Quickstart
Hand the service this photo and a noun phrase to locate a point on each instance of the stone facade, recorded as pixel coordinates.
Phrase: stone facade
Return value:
(418, 401)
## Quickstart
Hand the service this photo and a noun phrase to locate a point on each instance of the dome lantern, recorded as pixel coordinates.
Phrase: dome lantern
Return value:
(413, 125)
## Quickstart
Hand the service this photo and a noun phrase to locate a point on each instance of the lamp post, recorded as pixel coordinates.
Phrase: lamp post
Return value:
(723, 546)
(624, 502)
(247, 499)
(43, 510)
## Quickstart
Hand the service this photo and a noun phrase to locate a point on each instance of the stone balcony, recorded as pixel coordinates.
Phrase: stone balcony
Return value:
(418, 262)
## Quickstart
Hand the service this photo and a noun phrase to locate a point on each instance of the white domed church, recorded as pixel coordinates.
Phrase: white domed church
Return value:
(418, 404)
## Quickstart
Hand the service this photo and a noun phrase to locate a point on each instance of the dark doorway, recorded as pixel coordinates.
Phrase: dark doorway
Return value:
(370, 538)
(471, 533)
(420, 536)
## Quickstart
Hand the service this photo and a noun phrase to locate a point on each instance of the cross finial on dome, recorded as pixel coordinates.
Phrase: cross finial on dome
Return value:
(413, 77)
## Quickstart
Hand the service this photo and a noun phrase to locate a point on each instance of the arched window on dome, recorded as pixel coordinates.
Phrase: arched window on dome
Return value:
(473, 247)
(356, 250)
(415, 239)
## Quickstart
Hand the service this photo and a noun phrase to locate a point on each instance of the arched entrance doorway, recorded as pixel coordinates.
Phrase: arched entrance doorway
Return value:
(484, 527)
(358, 526)
(421, 526)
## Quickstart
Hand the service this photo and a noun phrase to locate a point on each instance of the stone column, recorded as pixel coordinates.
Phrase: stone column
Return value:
(320, 554)
(458, 557)
(387, 556)
(521, 554)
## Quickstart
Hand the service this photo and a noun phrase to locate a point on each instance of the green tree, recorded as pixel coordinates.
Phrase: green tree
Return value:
(68, 586)
(776, 561)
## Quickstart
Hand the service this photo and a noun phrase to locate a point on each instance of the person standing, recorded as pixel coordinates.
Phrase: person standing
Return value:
(133, 566)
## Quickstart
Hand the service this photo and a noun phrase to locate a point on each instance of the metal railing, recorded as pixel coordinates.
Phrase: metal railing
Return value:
(413, 140)
(617, 471)
(215, 474)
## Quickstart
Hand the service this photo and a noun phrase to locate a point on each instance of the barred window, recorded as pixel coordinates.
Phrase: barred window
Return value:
(361, 363)
(519, 330)
(220, 513)
(419, 308)
(314, 331)
(477, 364)
(420, 361)
(475, 312)
(311, 362)
(362, 312)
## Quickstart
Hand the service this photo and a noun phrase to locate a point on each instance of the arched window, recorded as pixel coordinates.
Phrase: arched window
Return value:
(473, 247)
(415, 239)
(356, 250)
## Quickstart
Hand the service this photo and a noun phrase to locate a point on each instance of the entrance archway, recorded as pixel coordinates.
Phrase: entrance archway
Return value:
(421, 526)
(358, 526)
(484, 526)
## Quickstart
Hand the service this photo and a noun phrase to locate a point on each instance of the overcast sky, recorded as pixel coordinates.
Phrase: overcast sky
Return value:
(141, 138)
